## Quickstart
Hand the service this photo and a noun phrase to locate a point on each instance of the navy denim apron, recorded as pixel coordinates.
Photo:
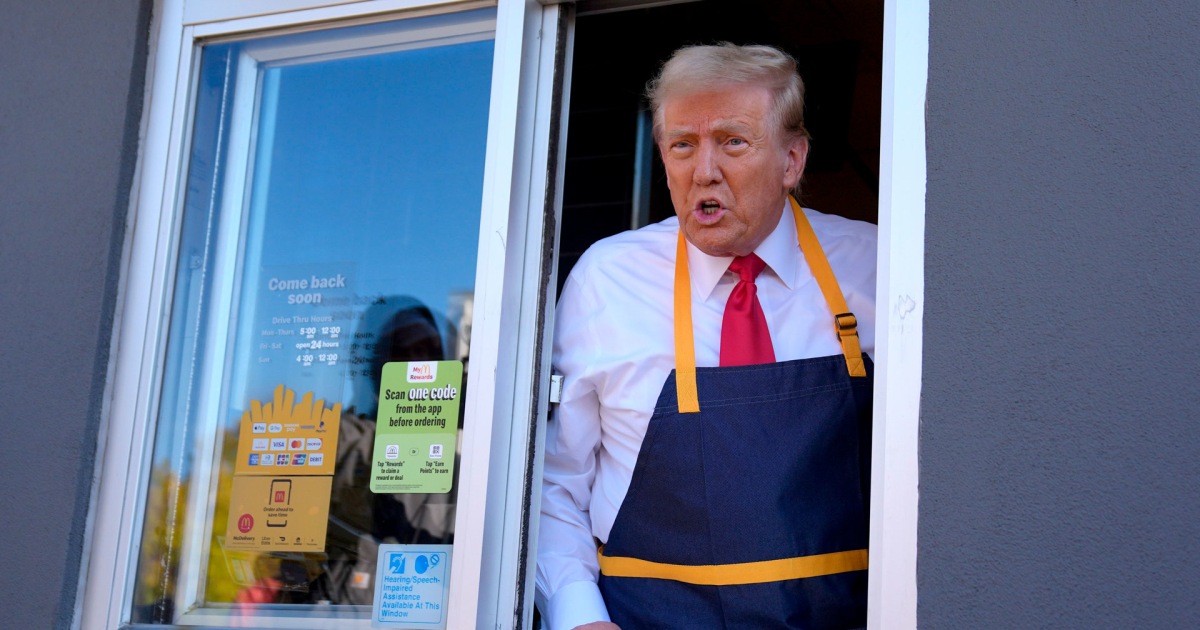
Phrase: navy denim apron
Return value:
(774, 466)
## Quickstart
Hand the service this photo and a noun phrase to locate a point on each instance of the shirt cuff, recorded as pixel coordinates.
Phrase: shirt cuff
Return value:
(575, 604)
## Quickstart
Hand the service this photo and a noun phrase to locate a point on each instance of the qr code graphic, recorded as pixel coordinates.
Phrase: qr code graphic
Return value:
(435, 451)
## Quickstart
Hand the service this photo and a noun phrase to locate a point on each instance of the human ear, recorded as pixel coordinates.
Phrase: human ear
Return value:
(797, 157)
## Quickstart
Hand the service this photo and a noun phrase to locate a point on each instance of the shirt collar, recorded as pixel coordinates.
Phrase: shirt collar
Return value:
(779, 250)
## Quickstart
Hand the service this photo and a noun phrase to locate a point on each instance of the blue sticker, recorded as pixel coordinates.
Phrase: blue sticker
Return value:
(411, 587)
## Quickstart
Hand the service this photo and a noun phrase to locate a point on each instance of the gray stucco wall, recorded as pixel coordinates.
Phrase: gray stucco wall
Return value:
(1058, 457)
(71, 85)
(1060, 397)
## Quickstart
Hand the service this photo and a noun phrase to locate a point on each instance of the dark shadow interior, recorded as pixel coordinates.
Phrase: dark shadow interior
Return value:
(838, 44)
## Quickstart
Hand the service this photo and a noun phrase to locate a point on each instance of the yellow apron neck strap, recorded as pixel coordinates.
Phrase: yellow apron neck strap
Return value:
(845, 324)
(685, 344)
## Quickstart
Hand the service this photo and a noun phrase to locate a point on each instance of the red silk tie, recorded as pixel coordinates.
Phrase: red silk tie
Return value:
(745, 339)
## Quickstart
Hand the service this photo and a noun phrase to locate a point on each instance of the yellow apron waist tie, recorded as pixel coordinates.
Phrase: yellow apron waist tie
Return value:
(740, 573)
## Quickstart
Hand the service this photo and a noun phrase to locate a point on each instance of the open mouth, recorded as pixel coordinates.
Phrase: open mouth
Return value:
(709, 207)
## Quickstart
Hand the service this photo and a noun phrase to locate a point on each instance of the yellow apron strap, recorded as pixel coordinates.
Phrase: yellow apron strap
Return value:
(740, 573)
(685, 345)
(845, 324)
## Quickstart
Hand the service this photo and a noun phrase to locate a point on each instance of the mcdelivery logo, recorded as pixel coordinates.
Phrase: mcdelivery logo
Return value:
(422, 371)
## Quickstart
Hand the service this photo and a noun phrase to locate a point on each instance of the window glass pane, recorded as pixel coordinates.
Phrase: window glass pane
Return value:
(329, 226)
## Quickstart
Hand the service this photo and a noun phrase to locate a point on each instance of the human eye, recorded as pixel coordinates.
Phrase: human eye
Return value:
(736, 142)
(680, 147)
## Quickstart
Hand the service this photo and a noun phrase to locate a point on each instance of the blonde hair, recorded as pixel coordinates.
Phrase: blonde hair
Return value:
(694, 69)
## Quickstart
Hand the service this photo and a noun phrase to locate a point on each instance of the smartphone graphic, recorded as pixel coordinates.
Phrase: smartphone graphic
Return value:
(281, 494)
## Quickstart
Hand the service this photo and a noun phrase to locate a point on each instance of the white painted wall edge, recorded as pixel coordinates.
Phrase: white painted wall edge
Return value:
(892, 585)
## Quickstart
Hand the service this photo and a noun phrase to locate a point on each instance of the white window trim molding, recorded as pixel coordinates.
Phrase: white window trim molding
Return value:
(900, 298)
(121, 447)
(205, 11)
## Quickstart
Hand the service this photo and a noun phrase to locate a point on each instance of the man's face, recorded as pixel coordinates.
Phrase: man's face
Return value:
(728, 167)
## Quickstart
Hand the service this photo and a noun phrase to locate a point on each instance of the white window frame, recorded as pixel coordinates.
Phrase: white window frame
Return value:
(900, 307)
(512, 222)
(499, 386)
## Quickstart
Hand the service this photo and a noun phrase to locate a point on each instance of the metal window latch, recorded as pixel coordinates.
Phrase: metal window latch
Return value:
(556, 388)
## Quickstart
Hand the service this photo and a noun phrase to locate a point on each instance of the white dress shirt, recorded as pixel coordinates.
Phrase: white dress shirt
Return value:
(614, 345)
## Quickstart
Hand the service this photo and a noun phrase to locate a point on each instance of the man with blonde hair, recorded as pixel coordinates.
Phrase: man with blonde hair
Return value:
(714, 428)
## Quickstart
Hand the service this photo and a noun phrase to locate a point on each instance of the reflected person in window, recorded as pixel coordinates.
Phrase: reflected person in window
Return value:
(713, 435)
(395, 328)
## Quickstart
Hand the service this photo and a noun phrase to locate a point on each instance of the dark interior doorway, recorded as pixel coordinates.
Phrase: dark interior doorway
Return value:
(614, 179)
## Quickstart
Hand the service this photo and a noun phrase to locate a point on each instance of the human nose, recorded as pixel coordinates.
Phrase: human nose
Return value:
(708, 170)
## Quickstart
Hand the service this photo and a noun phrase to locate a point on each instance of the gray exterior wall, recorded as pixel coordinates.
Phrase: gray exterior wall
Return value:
(1058, 455)
(1060, 395)
(71, 87)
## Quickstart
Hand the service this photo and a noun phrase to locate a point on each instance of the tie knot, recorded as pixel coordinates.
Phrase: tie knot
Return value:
(747, 267)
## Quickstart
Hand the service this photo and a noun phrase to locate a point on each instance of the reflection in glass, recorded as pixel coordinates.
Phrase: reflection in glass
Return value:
(329, 225)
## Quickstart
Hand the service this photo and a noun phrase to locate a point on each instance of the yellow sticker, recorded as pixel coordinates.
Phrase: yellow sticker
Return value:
(287, 438)
(268, 513)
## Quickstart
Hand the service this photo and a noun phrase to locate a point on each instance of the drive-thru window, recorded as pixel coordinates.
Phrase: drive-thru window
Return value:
(332, 370)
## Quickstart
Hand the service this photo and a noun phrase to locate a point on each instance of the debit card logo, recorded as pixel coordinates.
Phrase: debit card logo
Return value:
(278, 444)
(316, 459)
